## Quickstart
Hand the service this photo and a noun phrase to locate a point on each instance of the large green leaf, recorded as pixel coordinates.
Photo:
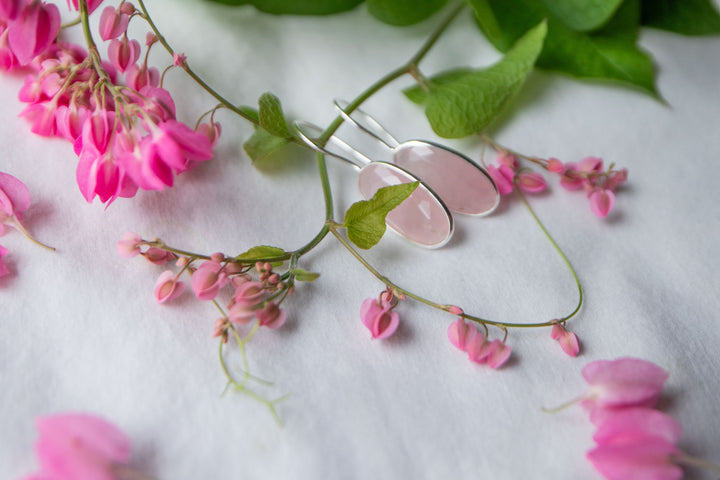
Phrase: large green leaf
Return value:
(688, 17)
(609, 53)
(583, 15)
(263, 144)
(463, 102)
(403, 12)
(297, 7)
(365, 220)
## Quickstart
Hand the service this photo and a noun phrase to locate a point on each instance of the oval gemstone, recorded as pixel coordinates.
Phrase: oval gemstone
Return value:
(460, 183)
(421, 218)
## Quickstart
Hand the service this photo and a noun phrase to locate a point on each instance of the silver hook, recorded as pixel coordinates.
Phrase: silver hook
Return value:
(367, 124)
(308, 132)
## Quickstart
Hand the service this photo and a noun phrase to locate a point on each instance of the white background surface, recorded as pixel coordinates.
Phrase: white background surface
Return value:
(81, 331)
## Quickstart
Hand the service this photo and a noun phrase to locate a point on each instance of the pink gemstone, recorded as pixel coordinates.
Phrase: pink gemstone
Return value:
(462, 185)
(421, 218)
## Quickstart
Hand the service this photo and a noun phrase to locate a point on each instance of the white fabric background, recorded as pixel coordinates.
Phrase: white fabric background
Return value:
(81, 331)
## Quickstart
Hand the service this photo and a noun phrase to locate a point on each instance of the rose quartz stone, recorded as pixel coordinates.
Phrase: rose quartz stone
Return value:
(421, 218)
(462, 185)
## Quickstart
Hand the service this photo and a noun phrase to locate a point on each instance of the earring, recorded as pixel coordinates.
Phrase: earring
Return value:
(464, 186)
(422, 218)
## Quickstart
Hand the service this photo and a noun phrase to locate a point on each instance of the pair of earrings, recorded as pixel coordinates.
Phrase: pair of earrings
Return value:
(448, 180)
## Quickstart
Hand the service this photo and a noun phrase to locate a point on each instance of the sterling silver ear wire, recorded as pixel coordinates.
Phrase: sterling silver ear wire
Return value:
(464, 186)
(422, 218)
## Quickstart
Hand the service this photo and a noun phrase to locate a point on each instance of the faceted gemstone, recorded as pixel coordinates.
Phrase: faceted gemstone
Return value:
(462, 185)
(421, 218)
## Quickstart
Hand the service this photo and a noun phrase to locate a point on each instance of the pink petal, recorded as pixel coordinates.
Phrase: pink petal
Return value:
(648, 459)
(167, 287)
(624, 382)
(500, 353)
(368, 310)
(207, 280)
(590, 164)
(458, 333)
(385, 324)
(272, 316)
(633, 423)
(504, 185)
(34, 30)
(123, 53)
(601, 202)
(478, 348)
(127, 246)
(531, 182)
(15, 192)
(555, 166)
(112, 23)
(570, 344)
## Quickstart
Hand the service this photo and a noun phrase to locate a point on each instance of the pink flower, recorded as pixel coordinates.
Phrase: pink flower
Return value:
(138, 77)
(272, 316)
(248, 293)
(507, 159)
(113, 23)
(555, 166)
(601, 201)
(615, 179)
(167, 287)
(208, 279)
(378, 316)
(531, 182)
(625, 382)
(158, 256)
(78, 446)
(636, 423)
(123, 53)
(503, 177)
(459, 332)
(14, 198)
(128, 246)
(650, 458)
(3, 268)
(33, 30)
(568, 340)
(211, 131)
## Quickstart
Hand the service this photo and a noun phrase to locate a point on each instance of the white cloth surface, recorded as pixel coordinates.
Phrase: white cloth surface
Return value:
(81, 330)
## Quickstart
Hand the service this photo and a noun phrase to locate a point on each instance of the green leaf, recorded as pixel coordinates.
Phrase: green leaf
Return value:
(271, 117)
(261, 252)
(608, 53)
(262, 144)
(583, 15)
(463, 102)
(403, 12)
(687, 17)
(297, 7)
(304, 276)
(365, 220)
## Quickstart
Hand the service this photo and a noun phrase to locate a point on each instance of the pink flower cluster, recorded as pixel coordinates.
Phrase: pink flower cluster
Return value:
(251, 299)
(126, 136)
(633, 440)
(467, 337)
(378, 315)
(80, 447)
(587, 175)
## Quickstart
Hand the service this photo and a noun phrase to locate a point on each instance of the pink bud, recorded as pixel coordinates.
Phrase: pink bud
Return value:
(220, 328)
(271, 316)
(113, 23)
(179, 59)
(167, 287)
(128, 246)
(123, 52)
(601, 202)
(615, 179)
(590, 164)
(531, 182)
(503, 183)
(459, 332)
(127, 8)
(507, 159)
(379, 318)
(207, 280)
(150, 38)
(568, 340)
(555, 166)
(158, 256)
(455, 310)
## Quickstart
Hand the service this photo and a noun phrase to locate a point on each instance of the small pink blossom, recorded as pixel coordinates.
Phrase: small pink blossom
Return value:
(615, 179)
(459, 332)
(179, 59)
(625, 382)
(113, 23)
(531, 182)
(123, 53)
(211, 130)
(499, 354)
(477, 347)
(33, 30)
(248, 293)
(128, 246)
(158, 256)
(555, 166)
(79, 446)
(241, 314)
(378, 316)
(507, 159)
(167, 287)
(455, 310)
(636, 423)
(568, 340)
(272, 316)
(601, 201)
(138, 77)
(208, 279)
(503, 177)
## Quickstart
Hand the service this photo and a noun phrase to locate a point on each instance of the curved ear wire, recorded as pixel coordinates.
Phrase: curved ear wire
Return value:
(308, 132)
(367, 124)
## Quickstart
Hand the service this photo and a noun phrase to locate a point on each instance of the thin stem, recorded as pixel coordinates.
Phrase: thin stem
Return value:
(19, 226)
(565, 405)
(696, 462)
